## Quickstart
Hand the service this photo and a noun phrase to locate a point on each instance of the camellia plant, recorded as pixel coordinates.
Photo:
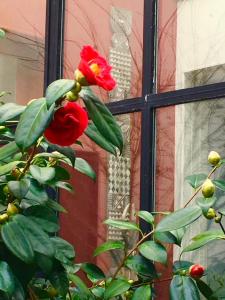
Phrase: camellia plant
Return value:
(35, 263)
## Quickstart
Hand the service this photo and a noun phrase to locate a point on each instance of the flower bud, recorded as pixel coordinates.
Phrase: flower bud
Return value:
(211, 213)
(214, 158)
(12, 209)
(3, 218)
(6, 190)
(218, 219)
(196, 271)
(80, 78)
(208, 188)
(15, 173)
(70, 96)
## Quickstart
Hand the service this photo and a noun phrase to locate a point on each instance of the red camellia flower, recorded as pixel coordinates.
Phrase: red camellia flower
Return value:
(196, 271)
(69, 122)
(94, 70)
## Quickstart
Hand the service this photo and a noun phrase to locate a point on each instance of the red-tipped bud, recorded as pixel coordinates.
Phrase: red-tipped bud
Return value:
(196, 271)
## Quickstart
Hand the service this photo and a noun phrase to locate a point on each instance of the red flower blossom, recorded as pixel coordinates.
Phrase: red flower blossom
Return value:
(94, 70)
(68, 124)
(196, 271)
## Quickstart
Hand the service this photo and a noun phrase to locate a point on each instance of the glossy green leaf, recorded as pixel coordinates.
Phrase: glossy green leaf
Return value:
(83, 167)
(153, 251)
(17, 242)
(9, 111)
(53, 204)
(115, 288)
(61, 174)
(42, 174)
(7, 282)
(4, 169)
(19, 188)
(81, 286)
(18, 293)
(39, 240)
(98, 292)
(109, 245)
(180, 265)
(220, 184)
(179, 218)
(183, 288)
(145, 215)
(141, 266)
(8, 150)
(66, 151)
(196, 180)
(36, 193)
(206, 203)
(93, 271)
(57, 89)
(44, 262)
(32, 123)
(179, 234)
(102, 118)
(142, 293)
(93, 133)
(43, 217)
(124, 225)
(165, 237)
(64, 185)
(64, 251)
(205, 289)
(204, 238)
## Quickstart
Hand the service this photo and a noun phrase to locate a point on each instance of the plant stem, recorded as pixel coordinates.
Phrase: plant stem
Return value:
(199, 188)
(28, 163)
(221, 225)
(151, 282)
(130, 252)
(70, 296)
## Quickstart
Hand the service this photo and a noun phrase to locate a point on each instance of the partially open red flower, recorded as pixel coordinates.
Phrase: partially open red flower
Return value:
(94, 70)
(68, 124)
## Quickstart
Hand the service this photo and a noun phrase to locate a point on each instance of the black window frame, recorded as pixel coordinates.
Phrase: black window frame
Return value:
(146, 104)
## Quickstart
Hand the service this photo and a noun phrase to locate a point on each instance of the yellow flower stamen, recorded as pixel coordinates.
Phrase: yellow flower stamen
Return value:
(95, 69)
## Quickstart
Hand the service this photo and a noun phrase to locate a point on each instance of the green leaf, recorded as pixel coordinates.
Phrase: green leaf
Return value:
(145, 215)
(179, 218)
(8, 150)
(64, 185)
(141, 266)
(143, 293)
(115, 288)
(60, 282)
(9, 111)
(196, 180)
(93, 133)
(36, 193)
(183, 288)
(125, 225)
(8, 167)
(153, 251)
(61, 174)
(7, 282)
(206, 203)
(93, 271)
(165, 237)
(66, 151)
(220, 184)
(109, 245)
(179, 234)
(17, 242)
(44, 262)
(83, 167)
(53, 204)
(39, 240)
(102, 118)
(19, 188)
(57, 89)
(180, 265)
(43, 217)
(204, 238)
(2, 33)
(64, 251)
(98, 292)
(42, 174)
(33, 123)
(18, 293)
(205, 289)
(81, 286)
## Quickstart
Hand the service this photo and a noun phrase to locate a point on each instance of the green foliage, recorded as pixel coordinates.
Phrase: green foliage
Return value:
(196, 180)
(10, 111)
(183, 288)
(110, 245)
(143, 293)
(124, 225)
(153, 251)
(116, 287)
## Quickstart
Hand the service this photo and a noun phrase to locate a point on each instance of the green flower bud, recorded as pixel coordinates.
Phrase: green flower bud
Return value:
(208, 188)
(214, 158)
(211, 214)
(218, 219)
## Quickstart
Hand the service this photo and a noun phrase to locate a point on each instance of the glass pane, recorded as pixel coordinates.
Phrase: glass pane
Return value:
(22, 49)
(115, 29)
(190, 43)
(115, 194)
(186, 134)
